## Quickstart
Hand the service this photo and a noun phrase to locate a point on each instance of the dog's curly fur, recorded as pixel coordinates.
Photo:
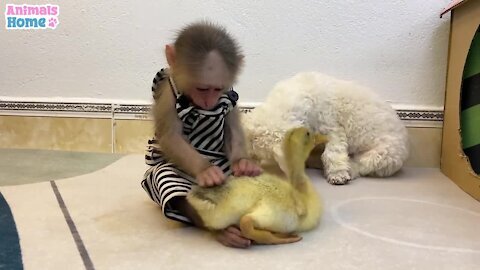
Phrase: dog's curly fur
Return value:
(366, 137)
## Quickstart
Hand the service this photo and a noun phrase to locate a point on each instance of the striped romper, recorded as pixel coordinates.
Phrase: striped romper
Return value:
(204, 130)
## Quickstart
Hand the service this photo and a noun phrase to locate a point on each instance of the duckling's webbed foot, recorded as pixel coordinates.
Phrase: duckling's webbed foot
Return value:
(286, 235)
(263, 236)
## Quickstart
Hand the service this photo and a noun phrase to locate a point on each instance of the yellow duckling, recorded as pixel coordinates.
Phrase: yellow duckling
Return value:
(268, 209)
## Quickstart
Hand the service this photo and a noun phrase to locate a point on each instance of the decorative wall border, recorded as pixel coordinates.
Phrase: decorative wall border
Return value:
(136, 111)
(421, 115)
(13, 106)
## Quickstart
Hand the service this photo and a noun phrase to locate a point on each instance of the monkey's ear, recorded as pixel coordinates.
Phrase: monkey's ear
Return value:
(170, 54)
(241, 59)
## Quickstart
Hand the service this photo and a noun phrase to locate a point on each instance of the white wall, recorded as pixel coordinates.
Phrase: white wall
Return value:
(111, 49)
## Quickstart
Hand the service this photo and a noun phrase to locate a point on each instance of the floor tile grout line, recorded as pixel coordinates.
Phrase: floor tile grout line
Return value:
(73, 229)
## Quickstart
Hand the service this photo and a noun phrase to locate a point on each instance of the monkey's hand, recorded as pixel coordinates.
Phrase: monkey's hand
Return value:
(246, 167)
(211, 176)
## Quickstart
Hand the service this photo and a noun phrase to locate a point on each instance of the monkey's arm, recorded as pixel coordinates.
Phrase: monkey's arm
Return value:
(168, 130)
(235, 144)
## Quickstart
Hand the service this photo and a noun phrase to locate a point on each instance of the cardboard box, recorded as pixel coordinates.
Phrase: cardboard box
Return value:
(460, 160)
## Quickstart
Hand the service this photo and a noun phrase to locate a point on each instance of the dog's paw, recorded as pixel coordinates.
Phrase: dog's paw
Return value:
(339, 178)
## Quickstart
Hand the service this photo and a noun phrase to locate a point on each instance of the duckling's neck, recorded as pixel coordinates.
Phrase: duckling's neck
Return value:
(296, 171)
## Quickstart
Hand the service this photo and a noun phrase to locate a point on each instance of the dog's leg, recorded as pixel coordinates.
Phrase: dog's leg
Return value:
(260, 236)
(335, 158)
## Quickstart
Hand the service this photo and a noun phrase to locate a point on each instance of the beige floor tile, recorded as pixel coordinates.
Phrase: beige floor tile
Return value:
(56, 133)
(131, 135)
(425, 147)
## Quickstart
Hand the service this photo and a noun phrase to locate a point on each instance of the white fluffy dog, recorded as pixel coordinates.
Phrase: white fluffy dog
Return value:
(366, 137)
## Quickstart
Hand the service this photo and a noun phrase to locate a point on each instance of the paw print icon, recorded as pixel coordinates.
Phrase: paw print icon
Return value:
(53, 22)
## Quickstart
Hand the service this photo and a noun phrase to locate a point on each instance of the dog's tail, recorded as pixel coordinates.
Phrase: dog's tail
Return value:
(384, 160)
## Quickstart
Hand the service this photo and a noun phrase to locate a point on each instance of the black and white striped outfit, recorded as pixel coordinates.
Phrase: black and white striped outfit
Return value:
(204, 130)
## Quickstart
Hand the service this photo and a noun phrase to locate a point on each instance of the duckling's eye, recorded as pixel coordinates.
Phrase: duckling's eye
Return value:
(308, 134)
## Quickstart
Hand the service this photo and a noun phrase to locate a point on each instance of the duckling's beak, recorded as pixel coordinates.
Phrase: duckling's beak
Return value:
(320, 139)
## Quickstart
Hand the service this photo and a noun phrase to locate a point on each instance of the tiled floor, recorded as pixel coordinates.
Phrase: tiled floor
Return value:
(23, 166)
(418, 219)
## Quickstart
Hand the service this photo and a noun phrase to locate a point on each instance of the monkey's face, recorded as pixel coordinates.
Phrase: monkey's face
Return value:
(210, 82)
(205, 97)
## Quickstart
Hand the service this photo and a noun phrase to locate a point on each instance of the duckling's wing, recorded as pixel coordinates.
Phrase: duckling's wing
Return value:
(206, 198)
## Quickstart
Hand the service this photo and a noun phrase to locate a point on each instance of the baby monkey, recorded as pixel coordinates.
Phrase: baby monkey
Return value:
(198, 136)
